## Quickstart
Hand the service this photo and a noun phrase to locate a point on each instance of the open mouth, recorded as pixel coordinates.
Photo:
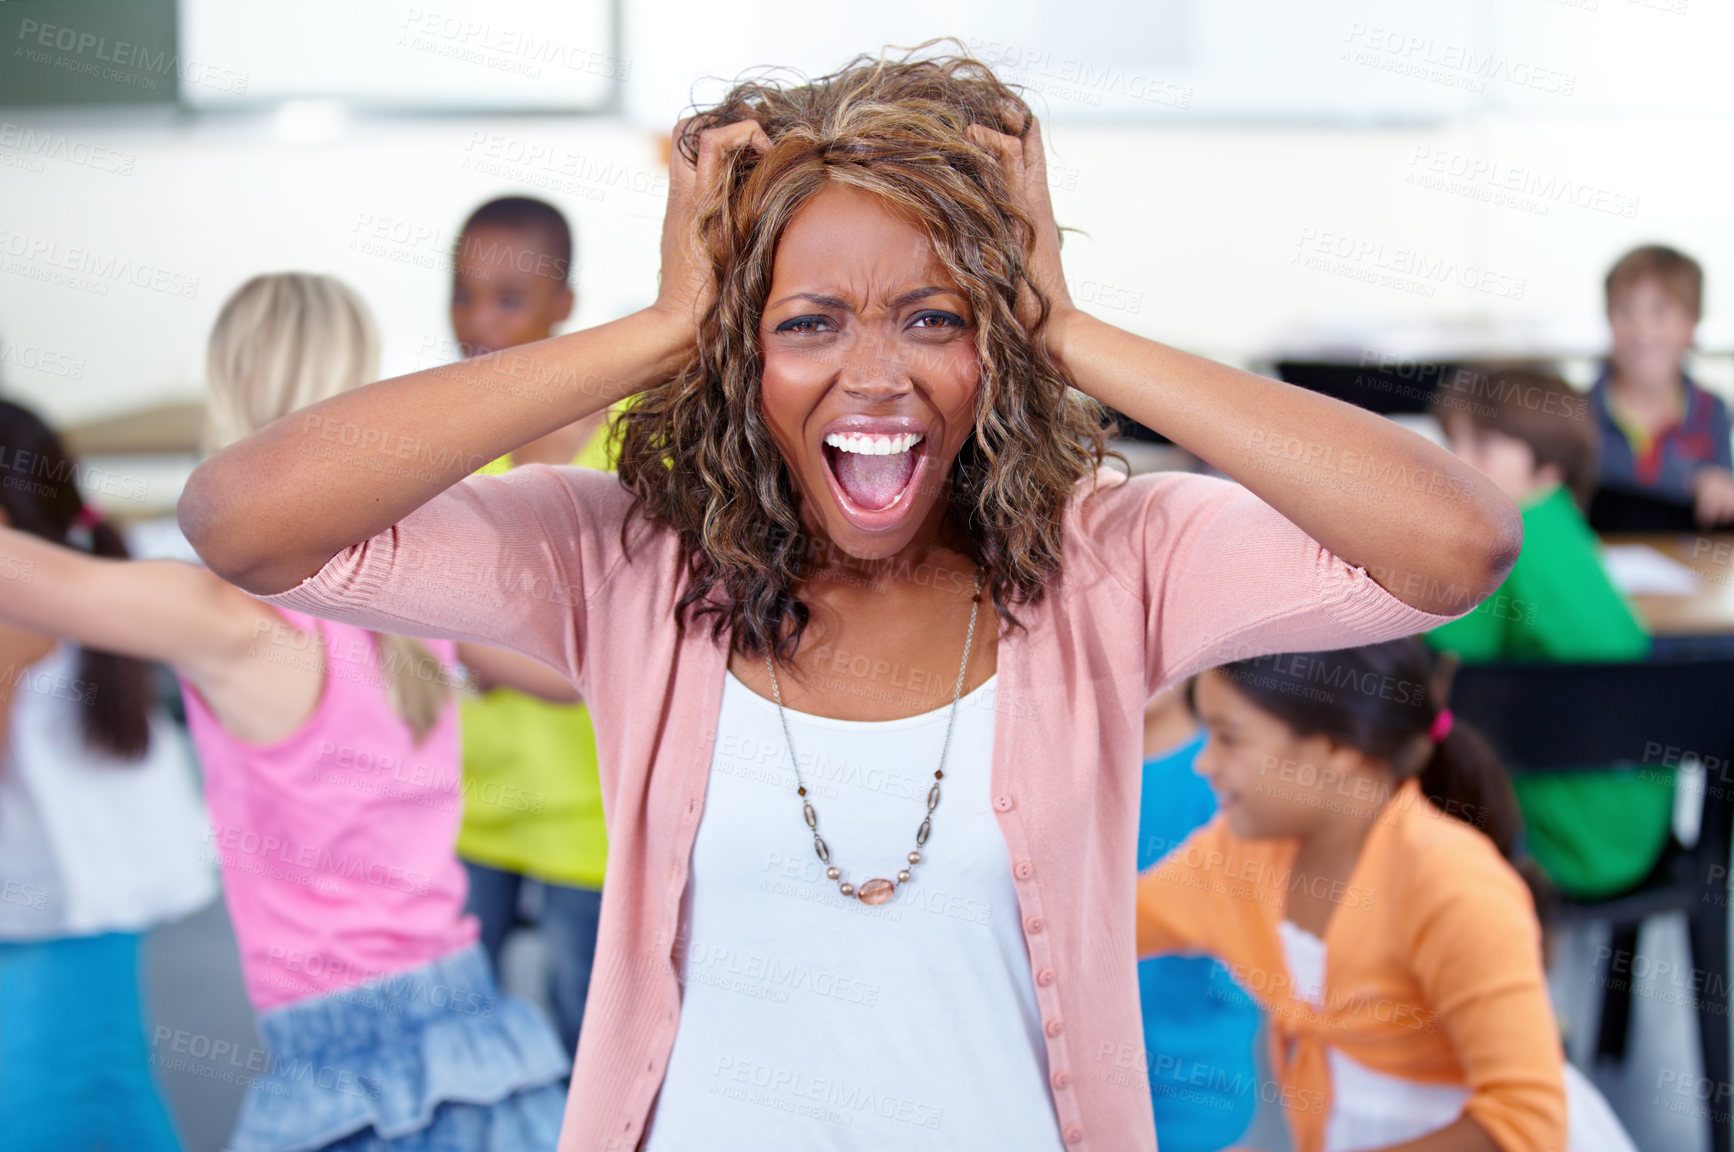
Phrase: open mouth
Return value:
(873, 474)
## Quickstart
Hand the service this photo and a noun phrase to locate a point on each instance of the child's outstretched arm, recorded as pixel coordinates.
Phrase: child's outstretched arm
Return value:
(159, 610)
(1430, 529)
(271, 510)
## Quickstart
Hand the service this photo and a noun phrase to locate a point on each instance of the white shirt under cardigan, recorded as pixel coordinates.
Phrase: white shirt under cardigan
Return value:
(810, 1020)
(1371, 1110)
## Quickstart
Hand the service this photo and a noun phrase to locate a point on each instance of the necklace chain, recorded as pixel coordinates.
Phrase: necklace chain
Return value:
(877, 891)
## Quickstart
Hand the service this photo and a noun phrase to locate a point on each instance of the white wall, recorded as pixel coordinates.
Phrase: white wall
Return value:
(1198, 232)
(218, 200)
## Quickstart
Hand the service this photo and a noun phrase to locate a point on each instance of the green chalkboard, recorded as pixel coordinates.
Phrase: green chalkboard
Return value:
(72, 52)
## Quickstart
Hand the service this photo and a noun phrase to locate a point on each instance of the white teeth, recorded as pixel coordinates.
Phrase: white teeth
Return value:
(872, 445)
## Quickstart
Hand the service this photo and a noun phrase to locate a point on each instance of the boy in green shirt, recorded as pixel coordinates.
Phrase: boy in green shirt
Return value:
(533, 796)
(1529, 432)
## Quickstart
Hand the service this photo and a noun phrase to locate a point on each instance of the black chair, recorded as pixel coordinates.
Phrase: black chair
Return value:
(1567, 716)
(1617, 510)
(1403, 390)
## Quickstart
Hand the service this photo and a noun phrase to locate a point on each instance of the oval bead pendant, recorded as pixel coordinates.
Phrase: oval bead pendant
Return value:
(876, 891)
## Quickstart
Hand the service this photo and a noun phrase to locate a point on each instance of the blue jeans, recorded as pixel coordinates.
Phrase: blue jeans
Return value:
(568, 919)
(77, 1067)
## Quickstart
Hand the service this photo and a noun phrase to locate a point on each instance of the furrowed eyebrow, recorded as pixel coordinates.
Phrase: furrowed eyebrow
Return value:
(821, 301)
(908, 297)
(915, 294)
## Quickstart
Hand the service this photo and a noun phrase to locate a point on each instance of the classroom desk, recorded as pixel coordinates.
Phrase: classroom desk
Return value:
(1701, 624)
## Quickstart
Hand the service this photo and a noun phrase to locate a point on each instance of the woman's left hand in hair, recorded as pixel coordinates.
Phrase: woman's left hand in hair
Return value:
(1026, 169)
(1429, 528)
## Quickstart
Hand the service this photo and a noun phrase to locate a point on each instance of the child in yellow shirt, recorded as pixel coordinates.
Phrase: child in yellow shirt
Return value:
(532, 789)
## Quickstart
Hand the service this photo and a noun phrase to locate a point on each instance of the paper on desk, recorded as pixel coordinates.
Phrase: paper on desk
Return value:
(1640, 570)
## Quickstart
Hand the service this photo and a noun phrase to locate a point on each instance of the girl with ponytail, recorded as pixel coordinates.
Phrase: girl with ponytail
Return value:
(1361, 880)
(331, 770)
(99, 841)
(39, 495)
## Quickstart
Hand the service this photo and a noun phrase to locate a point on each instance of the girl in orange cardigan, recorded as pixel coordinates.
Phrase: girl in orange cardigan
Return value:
(1357, 880)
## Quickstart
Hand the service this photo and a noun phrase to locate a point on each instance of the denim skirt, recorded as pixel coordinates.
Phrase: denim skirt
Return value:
(431, 1059)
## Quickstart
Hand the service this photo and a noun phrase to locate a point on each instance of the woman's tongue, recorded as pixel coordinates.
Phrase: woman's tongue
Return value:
(872, 482)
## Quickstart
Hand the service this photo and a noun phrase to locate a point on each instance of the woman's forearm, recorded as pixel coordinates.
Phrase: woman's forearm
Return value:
(269, 511)
(1428, 527)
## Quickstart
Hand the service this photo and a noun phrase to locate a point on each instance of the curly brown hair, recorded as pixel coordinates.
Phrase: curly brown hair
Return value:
(696, 453)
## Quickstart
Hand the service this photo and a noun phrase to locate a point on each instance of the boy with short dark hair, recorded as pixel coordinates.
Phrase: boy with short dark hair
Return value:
(511, 285)
(1534, 436)
(1660, 434)
(533, 793)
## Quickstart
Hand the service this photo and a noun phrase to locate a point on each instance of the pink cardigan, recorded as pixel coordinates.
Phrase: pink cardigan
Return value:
(1164, 575)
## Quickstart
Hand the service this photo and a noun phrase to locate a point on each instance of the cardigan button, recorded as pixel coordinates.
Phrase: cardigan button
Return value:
(1024, 870)
(1054, 1027)
(1074, 1134)
(1002, 802)
(1062, 1078)
(1045, 977)
(1033, 925)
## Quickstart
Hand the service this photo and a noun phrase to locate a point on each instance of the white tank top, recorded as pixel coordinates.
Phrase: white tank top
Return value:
(811, 1020)
(89, 844)
(1369, 1109)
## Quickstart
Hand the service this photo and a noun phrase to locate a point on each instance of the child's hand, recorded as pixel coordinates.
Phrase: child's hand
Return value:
(684, 285)
(1026, 169)
(1713, 496)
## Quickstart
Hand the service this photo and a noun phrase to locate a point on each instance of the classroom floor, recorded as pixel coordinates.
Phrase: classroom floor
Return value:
(203, 1039)
(1663, 1053)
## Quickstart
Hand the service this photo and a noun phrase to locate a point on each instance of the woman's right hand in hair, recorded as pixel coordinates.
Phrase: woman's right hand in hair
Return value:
(685, 285)
(271, 510)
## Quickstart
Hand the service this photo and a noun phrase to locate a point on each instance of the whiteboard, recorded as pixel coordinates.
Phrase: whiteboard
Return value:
(444, 55)
(1264, 61)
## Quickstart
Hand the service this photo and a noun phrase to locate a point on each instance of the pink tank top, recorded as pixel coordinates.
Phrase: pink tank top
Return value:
(336, 842)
